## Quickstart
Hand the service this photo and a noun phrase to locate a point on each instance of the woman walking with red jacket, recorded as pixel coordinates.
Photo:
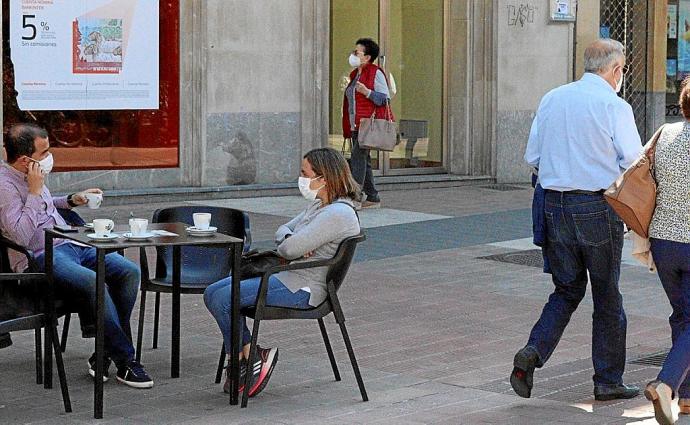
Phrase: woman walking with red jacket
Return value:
(366, 95)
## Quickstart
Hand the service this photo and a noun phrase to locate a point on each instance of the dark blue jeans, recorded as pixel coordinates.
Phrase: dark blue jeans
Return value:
(75, 279)
(217, 300)
(673, 264)
(360, 163)
(584, 235)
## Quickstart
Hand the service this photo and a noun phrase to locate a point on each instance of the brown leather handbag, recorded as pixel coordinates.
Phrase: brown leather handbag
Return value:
(378, 134)
(633, 195)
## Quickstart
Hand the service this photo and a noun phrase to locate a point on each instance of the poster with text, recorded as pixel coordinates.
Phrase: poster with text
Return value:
(85, 55)
(672, 21)
(683, 39)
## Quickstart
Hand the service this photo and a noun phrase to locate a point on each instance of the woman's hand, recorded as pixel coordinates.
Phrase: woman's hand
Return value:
(361, 88)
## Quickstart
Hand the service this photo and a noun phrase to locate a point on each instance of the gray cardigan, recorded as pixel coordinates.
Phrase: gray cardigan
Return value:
(317, 230)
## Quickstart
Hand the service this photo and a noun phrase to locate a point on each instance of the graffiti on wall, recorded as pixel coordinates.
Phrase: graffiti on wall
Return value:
(520, 15)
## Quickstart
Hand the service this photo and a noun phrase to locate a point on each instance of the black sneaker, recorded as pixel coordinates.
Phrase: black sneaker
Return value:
(263, 365)
(243, 372)
(521, 379)
(134, 375)
(106, 366)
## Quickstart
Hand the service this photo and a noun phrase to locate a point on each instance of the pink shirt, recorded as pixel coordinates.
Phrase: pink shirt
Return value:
(23, 216)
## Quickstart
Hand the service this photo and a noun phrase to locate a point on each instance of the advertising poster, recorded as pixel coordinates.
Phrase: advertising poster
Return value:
(85, 55)
(672, 21)
(683, 38)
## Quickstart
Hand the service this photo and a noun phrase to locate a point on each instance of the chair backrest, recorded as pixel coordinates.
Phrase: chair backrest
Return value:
(343, 256)
(201, 264)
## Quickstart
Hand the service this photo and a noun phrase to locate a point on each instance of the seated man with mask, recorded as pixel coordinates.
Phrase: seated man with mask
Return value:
(27, 208)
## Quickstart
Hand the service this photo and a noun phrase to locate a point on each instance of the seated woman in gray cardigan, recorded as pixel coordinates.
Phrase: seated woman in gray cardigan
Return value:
(325, 180)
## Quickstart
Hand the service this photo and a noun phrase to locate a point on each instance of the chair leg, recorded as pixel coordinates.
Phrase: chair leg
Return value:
(353, 360)
(48, 358)
(156, 317)
(65, 332)
(221, 363)
(140, 326)
(331, 357)
(61, 369)
(250, 367)
(39, 356)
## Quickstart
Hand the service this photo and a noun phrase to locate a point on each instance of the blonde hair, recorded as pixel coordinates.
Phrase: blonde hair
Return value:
(332, 166)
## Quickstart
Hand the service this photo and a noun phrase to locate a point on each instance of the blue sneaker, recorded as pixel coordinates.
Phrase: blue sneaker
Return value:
(133, 374)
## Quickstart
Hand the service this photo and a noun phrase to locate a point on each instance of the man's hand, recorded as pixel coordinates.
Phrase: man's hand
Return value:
(35, 178)
(361, 88)
(79, 198)
(309, 254)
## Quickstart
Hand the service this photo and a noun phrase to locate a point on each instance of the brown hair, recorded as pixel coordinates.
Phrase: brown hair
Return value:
(331, 165)
(684, 98)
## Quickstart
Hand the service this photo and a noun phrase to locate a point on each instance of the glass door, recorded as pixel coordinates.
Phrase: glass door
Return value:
(350, 21)
(411, 36)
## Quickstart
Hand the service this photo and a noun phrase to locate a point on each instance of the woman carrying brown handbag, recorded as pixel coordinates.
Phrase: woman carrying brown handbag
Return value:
(669, 234)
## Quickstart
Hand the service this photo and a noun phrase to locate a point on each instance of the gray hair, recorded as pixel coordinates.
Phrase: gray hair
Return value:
(603, 53)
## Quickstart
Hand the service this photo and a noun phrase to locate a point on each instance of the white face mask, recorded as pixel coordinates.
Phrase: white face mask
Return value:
(619, 85)
(354, 60)
(46, 164)
(309, 194)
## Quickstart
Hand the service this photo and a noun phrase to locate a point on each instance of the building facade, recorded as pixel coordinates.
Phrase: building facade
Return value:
(261, 83)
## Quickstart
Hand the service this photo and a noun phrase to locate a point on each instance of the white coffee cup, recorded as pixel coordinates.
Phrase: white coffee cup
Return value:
(93, 200)
(103, 226)
(138, 226)
(202, 220)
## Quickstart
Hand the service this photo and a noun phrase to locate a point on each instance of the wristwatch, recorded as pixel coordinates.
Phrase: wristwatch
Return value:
(69, 200)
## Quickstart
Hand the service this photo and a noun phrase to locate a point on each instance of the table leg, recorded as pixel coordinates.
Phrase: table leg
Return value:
(47, 353)
(100, 330)
(236, 252)
(175, 356)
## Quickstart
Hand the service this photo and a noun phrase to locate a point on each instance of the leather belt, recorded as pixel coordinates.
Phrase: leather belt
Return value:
(578, 192)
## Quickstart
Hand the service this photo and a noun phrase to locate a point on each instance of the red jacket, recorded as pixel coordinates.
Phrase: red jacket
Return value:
(364, 107)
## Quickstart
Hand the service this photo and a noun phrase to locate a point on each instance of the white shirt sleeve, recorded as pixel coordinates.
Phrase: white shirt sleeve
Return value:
(626, 139)
(532, 153)
(380, 84)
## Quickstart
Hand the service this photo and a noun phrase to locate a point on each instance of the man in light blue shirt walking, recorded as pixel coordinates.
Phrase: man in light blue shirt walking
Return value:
(582, 138)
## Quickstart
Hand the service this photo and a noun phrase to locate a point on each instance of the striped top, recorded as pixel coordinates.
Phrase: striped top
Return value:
(671, 220)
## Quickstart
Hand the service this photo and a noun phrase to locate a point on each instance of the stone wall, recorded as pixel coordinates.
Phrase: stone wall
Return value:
(534, 56)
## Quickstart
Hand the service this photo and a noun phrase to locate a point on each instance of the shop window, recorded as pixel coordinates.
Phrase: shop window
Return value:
(108, 139)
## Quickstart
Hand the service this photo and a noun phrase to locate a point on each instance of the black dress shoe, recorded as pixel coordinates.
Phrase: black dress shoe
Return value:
(521, 379)
(605, 393)
(5, 340)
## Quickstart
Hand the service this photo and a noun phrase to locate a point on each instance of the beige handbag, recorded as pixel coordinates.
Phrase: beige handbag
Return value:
(633, 195)
(378, 134)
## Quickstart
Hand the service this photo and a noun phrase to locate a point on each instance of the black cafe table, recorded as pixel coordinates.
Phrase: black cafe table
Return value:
(182, 239)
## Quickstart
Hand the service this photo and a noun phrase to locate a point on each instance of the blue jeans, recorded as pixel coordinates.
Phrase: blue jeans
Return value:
(217, 299)
(75, 279)
(673, 264)
(583, 235)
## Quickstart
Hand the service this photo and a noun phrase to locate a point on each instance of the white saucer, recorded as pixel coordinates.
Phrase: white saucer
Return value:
(102, 238)
(141, 237)
(193, 231)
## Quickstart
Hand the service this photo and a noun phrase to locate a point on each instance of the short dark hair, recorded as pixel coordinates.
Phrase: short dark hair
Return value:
(370, 48)
(19, 140)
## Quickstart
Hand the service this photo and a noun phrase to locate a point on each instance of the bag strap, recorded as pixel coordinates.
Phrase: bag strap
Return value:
(650, 152)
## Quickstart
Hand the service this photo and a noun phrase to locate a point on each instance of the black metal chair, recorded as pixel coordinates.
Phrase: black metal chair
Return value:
(74, 219)
(338, 267)
(32, 307)
(200, 266)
